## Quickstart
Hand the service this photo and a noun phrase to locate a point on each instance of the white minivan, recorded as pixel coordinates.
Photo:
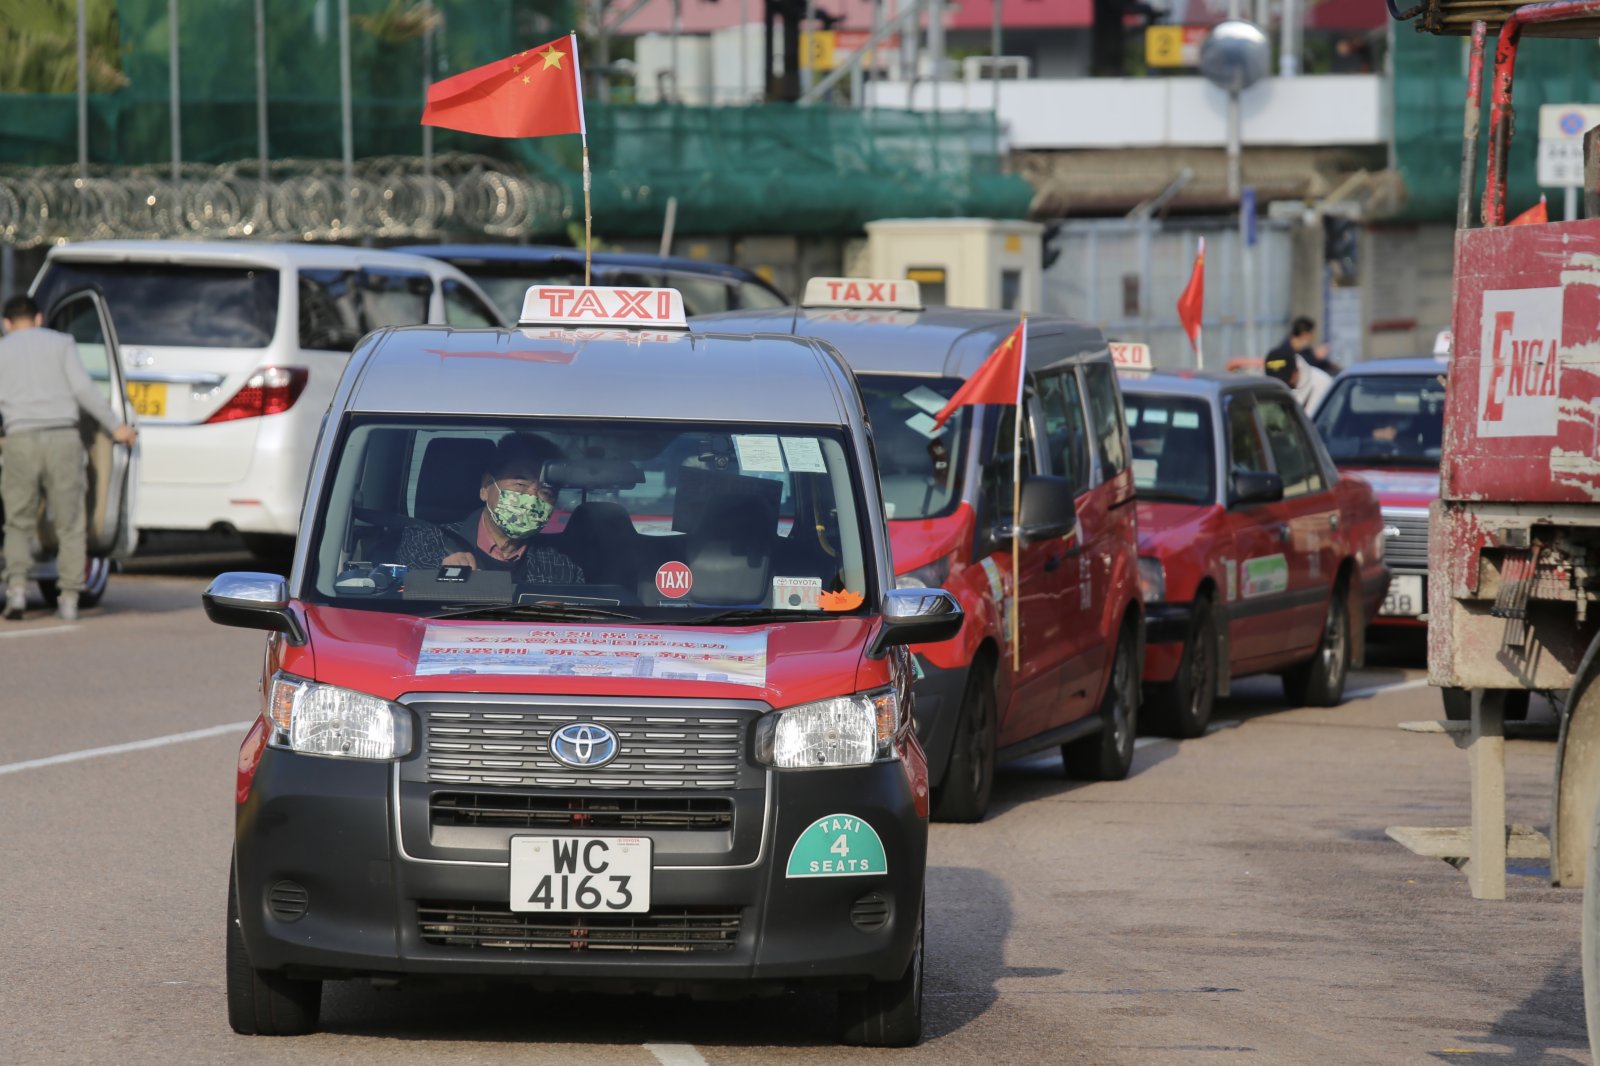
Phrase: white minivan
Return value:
(232, 351)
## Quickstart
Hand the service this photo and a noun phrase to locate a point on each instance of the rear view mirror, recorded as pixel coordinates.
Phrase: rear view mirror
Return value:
(917, 616)
(253, 601)
(1254, 486)
(1049, 509)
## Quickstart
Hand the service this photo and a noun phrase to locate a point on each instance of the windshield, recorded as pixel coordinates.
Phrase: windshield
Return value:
(167, 305)
(917, 464)
(1174, 453)
(703, 294)
(669, 522)
(1384, 419)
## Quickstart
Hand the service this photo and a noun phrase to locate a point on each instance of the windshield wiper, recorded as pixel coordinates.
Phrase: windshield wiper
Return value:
(555, 610)
(759, 614)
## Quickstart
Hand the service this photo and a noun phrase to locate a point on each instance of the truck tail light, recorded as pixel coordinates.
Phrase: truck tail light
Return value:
(270, 390)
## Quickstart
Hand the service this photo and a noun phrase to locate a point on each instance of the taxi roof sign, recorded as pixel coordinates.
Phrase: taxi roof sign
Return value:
(600, 305)
(891, 294)
(1129, 356)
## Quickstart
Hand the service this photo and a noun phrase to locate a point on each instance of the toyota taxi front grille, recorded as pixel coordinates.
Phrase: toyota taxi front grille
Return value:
(491, 927)
(1405, 540)
(519, 811)
(510, 745)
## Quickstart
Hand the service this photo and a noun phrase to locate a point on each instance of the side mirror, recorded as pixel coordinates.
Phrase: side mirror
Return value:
(917, 616)
(1049, 509)
(1254, 486)
(253, 601)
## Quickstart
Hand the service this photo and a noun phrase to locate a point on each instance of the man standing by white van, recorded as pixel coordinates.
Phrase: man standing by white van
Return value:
(43, 387)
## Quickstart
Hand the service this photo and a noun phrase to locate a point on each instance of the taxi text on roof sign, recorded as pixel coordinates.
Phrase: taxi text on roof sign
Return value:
(1126, 356)
(579, 305)
(891, 293)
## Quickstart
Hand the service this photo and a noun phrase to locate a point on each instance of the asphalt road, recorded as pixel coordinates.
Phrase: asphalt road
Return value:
(1234, 901)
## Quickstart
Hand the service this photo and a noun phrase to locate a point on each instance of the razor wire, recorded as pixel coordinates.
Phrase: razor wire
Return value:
(398, 197)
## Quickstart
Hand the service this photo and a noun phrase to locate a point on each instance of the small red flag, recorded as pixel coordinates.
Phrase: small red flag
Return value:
(998, 380)
(1538, 214)
(1191, 305)
(535, 93)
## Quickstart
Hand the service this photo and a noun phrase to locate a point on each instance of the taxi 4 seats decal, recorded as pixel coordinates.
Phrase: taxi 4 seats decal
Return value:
(837, 845)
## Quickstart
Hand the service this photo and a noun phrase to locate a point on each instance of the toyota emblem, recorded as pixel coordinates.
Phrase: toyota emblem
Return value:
(583, 745)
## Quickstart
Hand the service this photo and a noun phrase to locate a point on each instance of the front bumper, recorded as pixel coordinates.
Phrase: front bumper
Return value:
(328, 828)
(1166, 630)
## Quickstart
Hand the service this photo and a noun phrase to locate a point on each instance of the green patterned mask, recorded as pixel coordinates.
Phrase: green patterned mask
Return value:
(520, 514)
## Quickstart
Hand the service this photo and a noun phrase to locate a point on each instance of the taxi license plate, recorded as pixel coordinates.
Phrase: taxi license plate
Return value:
(601, 875)
(1405, 596)
(149, 398)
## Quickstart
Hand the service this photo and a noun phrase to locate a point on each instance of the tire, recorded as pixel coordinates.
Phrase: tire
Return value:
(1108, 755)
(269, 547)
(1458, 704)
(262, 1003)
(1319, 681)
(1182, 707)
(969, 779)
(887, 1013)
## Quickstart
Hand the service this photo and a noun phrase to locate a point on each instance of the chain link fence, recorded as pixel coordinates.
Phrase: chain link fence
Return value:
(396, 197)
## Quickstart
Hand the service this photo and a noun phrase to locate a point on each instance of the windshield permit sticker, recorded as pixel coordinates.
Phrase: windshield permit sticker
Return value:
(758, 453)
(1185, 419)
(843, 600)
(923, 423)
(796, 593)
(1264, 576)
(674, 580)
(804, 455)
(1144, 473)
(926, 399)
(838, 845)
(594, 651)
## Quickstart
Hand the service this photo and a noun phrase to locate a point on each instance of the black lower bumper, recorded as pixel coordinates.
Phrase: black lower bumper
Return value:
(936, 706)
(320, 833)
(1167, 623)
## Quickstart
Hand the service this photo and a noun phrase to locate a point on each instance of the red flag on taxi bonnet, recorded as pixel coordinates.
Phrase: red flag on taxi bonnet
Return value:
(535, 93)
(1536, 215)
(1191, 305)
(998, 380)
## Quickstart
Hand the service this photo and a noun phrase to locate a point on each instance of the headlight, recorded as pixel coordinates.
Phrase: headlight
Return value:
(848, 731)
(931, 576)
(317, 719)
(1152, 580)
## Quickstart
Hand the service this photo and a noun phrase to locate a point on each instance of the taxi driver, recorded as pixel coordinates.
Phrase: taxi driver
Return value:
(499, 535)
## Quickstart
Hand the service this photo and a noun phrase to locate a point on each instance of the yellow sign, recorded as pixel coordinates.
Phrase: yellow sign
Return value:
(817, 50)
(1163, 46)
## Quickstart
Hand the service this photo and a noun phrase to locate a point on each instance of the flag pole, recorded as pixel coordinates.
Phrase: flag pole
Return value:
(583, 131)
(1016, 500)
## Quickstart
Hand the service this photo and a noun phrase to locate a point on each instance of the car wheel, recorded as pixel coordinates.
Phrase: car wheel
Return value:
(1182, 707)
(1108, 755)
(969, 779)
(1458, 704)
(262, 1003)
(885, 1013)
(1319, 681)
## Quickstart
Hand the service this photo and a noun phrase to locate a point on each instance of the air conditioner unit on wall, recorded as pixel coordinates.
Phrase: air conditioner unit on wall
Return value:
(1011, 68)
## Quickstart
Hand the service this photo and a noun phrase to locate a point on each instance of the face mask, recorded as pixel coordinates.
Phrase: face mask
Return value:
(520, 514)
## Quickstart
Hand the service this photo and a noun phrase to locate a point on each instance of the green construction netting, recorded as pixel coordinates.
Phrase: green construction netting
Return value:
(732, 170)
(1430, 83)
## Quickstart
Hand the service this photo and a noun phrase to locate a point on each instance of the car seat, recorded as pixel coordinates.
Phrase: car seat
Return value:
(451, 475)
(729, 553)
(1185, 468)
(600, 538)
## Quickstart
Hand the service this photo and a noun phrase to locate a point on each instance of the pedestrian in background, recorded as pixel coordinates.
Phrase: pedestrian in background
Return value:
(1308, 383)
(43, 389)
(1302, 341)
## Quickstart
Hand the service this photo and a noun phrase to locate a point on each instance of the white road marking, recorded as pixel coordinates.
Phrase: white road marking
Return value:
(41, 631)
(1398, 686)
(676, 1054)
(118, 749)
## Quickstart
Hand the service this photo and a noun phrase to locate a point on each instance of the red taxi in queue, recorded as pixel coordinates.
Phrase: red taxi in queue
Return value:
(948, 496)
(1255, 555)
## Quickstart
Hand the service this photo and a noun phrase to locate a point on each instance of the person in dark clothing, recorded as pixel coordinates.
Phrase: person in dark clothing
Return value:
(501, 534)
(1302, 341)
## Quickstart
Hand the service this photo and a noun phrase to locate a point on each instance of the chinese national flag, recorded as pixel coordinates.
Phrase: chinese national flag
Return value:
(1536, 215)
(1191, 305)
(531, 94)
(998, 380)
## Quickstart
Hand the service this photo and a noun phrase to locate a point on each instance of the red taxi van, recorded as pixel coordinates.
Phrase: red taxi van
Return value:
(947, 493)
(615, 756)
(1255, 555)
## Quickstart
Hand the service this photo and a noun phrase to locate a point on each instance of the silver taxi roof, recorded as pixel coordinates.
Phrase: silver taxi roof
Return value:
(279, 254)
(552, 372)
(938, 341)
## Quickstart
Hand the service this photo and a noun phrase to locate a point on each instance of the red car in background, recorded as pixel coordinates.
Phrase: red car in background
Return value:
(1255, 555)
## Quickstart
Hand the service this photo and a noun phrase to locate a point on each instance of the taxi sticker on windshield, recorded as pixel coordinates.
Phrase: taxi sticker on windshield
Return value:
(843, 600)
(923, 423)
(838, 845)
(758, 453)
(804, 455)
(1264, 576)
(674, 580)
(926, 399)
(796, 593)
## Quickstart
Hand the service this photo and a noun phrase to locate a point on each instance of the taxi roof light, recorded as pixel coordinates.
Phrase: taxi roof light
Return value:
(603, 305)
(892, 294)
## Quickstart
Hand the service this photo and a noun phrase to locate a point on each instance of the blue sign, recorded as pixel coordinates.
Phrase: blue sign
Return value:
(1247, 210)
(1572, 123)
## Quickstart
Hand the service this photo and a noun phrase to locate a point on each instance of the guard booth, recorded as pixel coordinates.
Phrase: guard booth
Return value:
(989, 263)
